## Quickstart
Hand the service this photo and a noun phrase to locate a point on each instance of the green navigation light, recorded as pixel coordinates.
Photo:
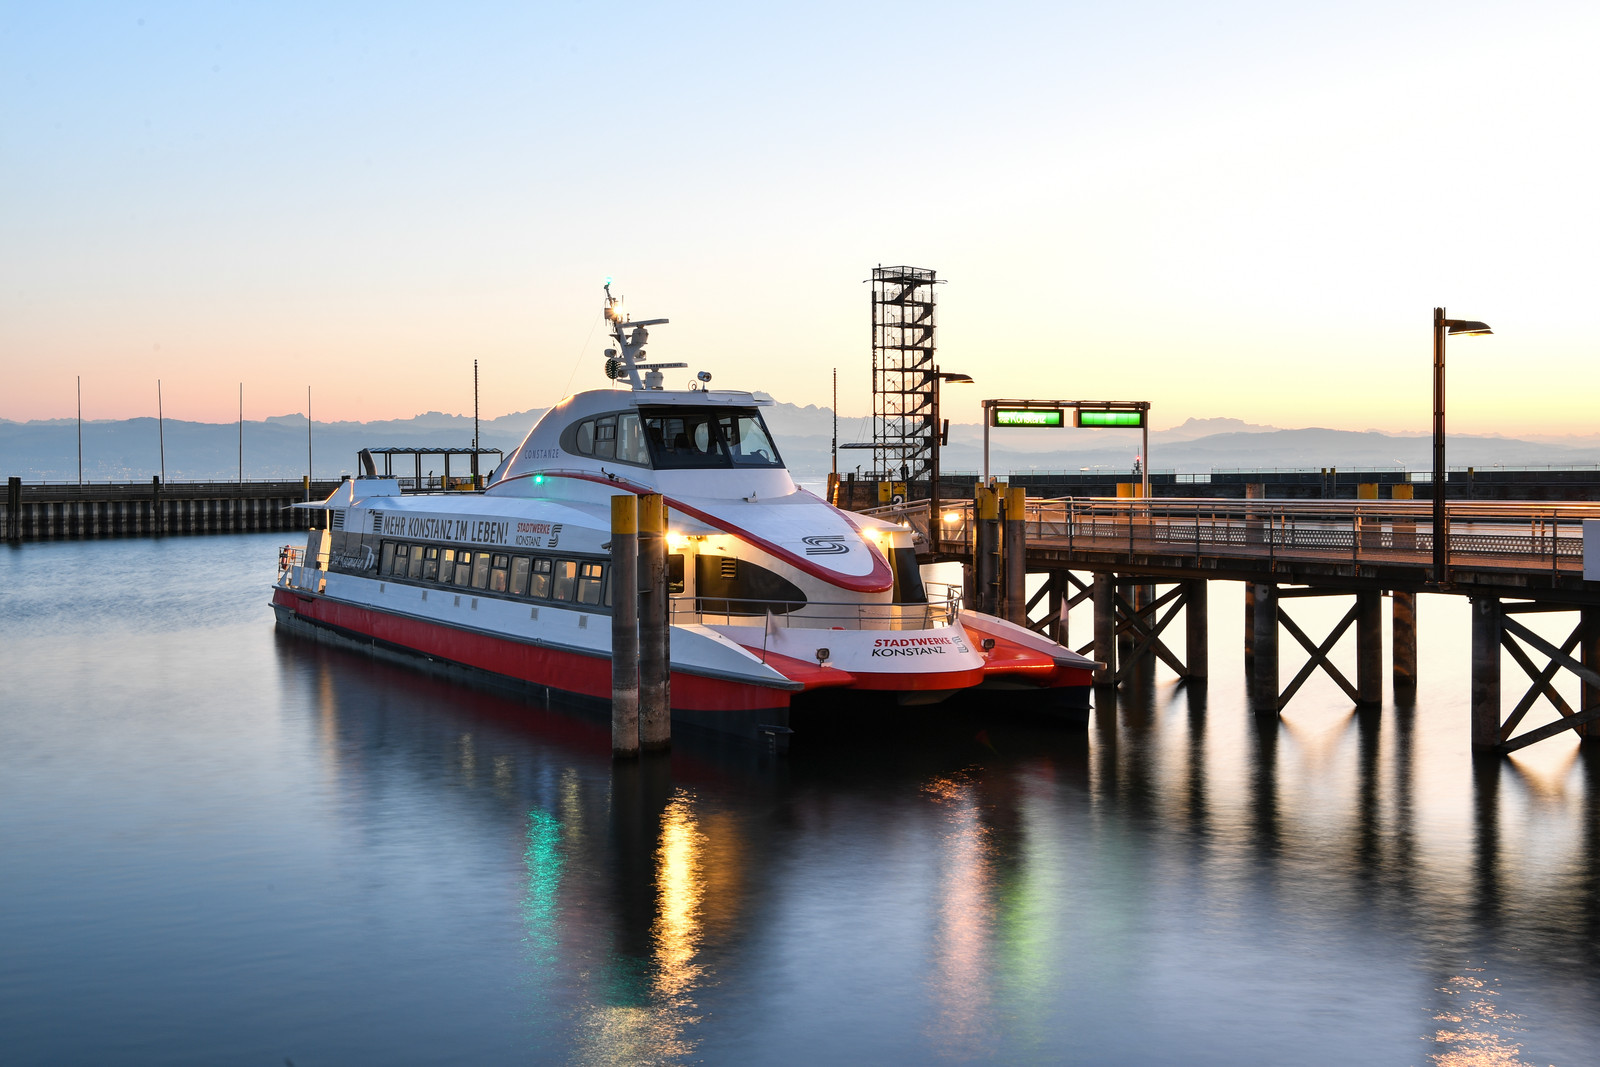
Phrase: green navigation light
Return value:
(1099, 420)
(1043, 417)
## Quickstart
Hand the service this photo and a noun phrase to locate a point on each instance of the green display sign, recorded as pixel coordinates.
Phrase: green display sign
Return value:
(1101, 420)
(1044, 417)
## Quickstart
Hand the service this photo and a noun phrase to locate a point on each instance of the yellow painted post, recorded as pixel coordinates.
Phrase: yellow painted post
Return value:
(624, 625)
(1367, 491)
(655, 626)
(1016, 555)
(986, 549)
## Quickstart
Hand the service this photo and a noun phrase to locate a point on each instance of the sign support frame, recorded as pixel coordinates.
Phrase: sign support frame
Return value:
(1142, 406)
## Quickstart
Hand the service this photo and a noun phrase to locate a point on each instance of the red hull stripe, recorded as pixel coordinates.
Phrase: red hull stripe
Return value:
(570, 672)
(880, 579)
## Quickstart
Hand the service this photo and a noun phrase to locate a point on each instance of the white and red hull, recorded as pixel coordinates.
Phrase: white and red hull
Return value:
(720, 698)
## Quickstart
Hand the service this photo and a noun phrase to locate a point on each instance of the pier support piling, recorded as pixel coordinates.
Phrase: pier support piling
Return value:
(1264, 675)
(1405, 647)
(1196, 652)
(1369, 647)
(624, 626)
(1105, 627)
(1589, 656)
(1487, 628)
(1249, 630)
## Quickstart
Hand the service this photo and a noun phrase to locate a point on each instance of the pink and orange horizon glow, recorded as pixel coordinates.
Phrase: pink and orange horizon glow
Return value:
(1228, 210)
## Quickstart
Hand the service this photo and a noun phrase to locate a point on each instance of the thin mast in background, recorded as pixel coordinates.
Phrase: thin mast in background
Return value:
(161, 432)
(241, 433)
(80, 429)
(308, 443)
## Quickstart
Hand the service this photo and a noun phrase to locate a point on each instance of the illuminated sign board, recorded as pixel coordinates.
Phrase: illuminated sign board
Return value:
(1052, 418)
(1090, 419)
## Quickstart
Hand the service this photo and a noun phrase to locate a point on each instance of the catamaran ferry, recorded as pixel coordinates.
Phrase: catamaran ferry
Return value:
(778, 599)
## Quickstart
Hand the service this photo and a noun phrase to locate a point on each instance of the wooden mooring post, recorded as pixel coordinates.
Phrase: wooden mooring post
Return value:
(624, 626)
(1014, 537)
(655, 627)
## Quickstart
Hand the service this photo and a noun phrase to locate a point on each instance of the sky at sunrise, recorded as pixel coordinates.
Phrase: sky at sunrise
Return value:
(1240, 209)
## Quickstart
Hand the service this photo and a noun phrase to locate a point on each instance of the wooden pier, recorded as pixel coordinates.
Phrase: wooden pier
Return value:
(33, 512)
(1148, 561)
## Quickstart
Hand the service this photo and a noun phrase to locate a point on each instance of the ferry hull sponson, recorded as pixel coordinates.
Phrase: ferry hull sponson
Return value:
(777, 599)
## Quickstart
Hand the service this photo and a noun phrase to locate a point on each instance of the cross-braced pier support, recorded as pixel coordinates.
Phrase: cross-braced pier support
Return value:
(1130, 617)
(1267, 617)
(1495, 627)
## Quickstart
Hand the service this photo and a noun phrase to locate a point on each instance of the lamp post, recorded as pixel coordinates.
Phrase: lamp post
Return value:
(935, 519)
(1441, 519)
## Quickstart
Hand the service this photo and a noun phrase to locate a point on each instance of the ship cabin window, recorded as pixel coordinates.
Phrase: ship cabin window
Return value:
(585, 440)
(675, 573)
(700, 437)
(566, 576)
(539, 584)
(590, 578)
(584, 582)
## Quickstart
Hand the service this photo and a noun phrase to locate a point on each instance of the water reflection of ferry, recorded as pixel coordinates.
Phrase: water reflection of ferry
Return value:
(778, 597)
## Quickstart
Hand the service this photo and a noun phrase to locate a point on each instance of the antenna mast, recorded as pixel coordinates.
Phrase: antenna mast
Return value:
(624, 360)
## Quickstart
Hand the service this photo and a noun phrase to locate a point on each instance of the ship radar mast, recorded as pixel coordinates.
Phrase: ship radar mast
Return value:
(626, 360)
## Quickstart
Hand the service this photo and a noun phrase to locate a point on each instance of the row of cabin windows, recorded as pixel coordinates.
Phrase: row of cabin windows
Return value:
(574, 581)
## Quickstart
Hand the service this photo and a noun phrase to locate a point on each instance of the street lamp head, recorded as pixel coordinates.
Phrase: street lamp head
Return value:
(1468, 327)
(953, 376)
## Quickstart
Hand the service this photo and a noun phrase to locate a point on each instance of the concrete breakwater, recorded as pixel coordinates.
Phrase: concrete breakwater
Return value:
(140, 509)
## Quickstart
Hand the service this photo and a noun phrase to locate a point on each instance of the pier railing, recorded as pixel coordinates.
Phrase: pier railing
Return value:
(1512, 534)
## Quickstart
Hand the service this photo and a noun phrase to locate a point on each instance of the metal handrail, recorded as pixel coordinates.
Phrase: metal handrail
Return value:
(936, 612)
(1361, 531)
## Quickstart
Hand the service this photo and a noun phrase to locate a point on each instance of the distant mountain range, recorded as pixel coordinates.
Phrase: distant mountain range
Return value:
(130, 449)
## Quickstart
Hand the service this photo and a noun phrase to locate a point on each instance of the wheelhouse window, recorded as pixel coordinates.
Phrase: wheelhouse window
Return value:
(605, 437)
(703, 437)
(630, 440)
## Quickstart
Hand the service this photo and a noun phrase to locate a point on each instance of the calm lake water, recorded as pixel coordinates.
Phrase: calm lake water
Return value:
(222, 845)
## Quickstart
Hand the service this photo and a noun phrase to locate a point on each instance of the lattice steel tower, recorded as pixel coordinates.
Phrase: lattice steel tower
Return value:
(902, 372)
